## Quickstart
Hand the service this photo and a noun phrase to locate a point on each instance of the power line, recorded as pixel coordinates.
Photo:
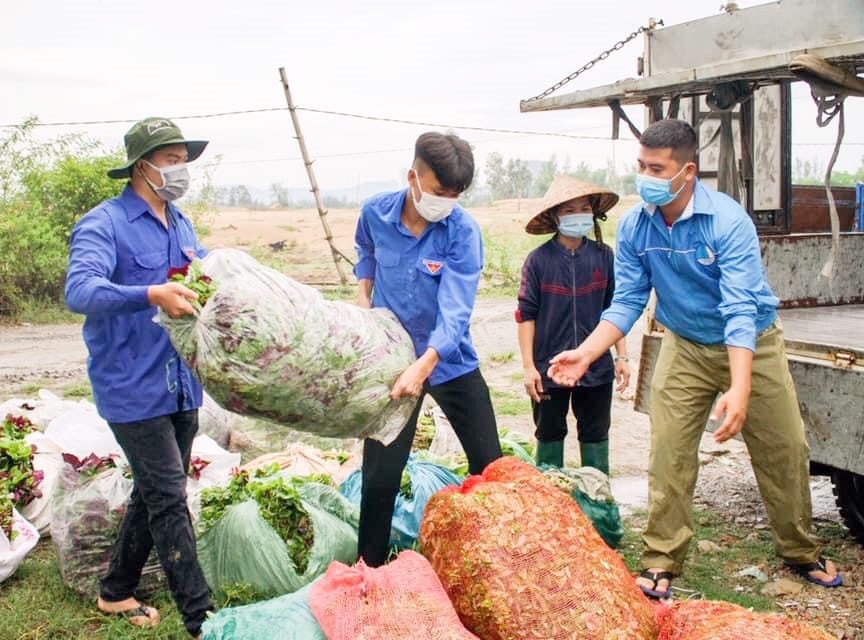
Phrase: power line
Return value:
(351, 154)
(87, 123)
(452, 126)
(342, 114)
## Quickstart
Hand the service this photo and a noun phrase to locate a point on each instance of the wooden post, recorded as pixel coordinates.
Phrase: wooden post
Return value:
(322, 212)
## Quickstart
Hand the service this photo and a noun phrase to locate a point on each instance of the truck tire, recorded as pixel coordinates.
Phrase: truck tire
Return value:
(849, 491)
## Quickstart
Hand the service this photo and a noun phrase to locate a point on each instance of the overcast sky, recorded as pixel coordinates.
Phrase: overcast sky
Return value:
(457, 62)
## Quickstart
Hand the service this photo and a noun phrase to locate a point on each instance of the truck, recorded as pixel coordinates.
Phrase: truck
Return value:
(732, 76)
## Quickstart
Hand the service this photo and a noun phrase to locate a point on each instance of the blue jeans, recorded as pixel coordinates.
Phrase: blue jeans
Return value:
(158, 451)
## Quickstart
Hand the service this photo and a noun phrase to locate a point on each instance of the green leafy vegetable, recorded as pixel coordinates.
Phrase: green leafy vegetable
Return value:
(194, 278)
(278, 503)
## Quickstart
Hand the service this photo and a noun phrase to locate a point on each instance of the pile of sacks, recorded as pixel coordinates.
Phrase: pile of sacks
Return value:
(85, 485)
(503, 556)
(510, 554)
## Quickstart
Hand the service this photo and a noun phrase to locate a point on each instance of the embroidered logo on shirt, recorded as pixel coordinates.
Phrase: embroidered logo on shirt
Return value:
(705, 256)
(190, 252)
(433, 266)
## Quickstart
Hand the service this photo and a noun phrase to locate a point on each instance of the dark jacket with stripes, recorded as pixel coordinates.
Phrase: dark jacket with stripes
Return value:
(564, 293)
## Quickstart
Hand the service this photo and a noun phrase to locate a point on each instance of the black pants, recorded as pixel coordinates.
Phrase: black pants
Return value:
(158, 451)
(466, 403)
(592, 407)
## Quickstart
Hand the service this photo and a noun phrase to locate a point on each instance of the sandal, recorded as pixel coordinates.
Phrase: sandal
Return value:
(656, 577)
(821, 564)
(150, 614)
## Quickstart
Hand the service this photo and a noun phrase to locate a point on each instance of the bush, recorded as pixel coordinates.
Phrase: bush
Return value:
(70, 186)
(32, 258)
(45, 187)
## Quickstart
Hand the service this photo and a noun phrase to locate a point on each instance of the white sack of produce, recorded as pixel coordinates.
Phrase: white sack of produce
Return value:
(82, 432)
(268, 347)
(12, 552)
(217, 423)
(40, 410)
(49, 460)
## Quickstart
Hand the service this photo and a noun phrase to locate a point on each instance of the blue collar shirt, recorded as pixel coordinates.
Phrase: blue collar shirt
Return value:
(706, 269)
(117, 251)
(429, 282)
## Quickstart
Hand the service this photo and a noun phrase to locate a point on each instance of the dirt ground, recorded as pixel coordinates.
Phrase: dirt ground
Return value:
(54, 357)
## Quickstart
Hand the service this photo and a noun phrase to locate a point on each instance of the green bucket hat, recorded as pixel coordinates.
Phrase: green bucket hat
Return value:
(150, 134)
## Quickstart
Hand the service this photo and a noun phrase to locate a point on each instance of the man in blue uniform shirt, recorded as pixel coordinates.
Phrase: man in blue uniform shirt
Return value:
(119, 258)
(420, 255)
(698, 250)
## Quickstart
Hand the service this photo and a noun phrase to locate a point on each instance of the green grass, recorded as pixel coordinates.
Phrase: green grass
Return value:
(79, 389)
(346, 293)
(41, 312)
(504, 256)
(36, 606)
(507, 403)
(502, 357)
(32, 388)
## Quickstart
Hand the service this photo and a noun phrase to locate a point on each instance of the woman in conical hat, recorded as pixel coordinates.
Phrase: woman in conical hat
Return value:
(567, 282)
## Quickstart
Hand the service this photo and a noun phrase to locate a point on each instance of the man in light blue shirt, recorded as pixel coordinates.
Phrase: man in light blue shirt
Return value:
(420, 255)
(698, 250)
(119, 257)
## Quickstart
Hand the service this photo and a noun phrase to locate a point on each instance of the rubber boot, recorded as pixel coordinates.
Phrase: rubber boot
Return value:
(550, 453)
(595, 454)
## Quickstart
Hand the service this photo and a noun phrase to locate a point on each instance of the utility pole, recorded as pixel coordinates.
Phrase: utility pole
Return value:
(316, 192)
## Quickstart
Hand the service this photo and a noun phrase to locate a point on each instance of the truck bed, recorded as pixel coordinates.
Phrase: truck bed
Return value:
(841, 326)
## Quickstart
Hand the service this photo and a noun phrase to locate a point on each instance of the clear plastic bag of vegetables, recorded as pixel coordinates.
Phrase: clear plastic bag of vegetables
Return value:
(266, 346)
(88, 505)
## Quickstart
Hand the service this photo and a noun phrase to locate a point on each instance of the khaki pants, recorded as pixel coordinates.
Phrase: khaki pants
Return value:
(686, 382)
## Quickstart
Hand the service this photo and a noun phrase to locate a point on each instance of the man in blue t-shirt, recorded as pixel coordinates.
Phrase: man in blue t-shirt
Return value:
(420, 255)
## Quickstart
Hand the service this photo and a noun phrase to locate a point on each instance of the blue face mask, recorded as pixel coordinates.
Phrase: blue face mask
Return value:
(658, 191)
(576, 225)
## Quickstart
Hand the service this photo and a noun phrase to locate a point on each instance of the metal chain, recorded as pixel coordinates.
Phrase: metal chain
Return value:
(616, 47)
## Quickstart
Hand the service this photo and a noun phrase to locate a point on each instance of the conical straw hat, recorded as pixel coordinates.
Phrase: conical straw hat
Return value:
(562, 189)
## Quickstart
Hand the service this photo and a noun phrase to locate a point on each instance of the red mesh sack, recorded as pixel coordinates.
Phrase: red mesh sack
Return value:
(403, 600)
(520, 561)
(706, 620)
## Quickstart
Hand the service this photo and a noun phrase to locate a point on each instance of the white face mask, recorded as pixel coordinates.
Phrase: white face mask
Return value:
(175, 181)
(576, 225)
(432, 208)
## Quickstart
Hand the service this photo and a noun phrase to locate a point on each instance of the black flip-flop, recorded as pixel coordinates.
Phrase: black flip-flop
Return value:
(821, 564)
(141, 611)
(656, 577)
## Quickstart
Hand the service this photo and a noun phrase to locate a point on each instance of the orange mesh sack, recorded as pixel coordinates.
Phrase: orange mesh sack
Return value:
(403, 600)
(706, 620)
(520, 561)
